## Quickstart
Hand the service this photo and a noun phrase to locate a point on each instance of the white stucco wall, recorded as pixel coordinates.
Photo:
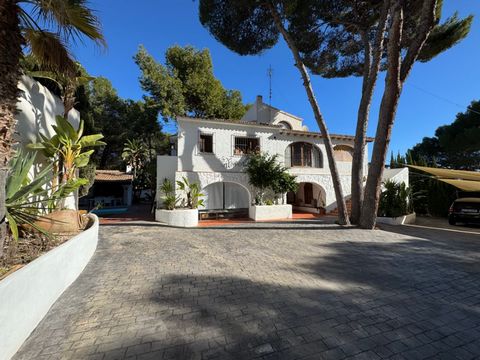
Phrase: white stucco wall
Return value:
(399, 175)
(224, 166)
(223, 159)
(37, 109)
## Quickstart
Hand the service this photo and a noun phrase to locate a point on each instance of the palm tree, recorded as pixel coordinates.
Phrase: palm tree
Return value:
(44, 28)
(135, 154)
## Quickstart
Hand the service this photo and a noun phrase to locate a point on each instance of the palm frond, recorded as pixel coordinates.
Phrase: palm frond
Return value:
(49, 49)
(73, 18)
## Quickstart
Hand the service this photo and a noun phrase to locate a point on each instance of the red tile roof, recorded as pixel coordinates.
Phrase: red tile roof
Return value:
(112, 176)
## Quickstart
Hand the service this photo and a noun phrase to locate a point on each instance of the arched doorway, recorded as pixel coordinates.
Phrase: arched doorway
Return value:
(309, 197)
(225, 199)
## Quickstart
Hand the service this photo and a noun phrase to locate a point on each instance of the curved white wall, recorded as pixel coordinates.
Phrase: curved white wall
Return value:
(27, 294)
(37, 109)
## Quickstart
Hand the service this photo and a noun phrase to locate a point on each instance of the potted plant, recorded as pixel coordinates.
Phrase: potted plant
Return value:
(395, 207)
(68, 151)
(271, 181)
(179, 211)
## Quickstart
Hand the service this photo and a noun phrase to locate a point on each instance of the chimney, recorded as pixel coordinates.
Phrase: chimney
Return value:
(258, 106)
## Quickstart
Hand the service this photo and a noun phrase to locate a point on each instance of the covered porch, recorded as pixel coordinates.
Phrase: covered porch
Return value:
(310, 198)
(111, 193)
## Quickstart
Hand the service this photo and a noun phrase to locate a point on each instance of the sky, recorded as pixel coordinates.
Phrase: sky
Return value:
(434, 93)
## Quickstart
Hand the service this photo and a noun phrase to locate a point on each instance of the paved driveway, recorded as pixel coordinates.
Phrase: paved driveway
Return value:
(268, 291)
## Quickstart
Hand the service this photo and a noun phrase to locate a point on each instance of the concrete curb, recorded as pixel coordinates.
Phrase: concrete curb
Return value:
(28, 293)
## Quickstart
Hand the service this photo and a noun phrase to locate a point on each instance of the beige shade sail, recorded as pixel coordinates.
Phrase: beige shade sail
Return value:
(464, 185)
(461, 179)
(449, 174)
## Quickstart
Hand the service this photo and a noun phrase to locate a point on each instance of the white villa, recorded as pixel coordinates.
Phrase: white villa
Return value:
(210, 152)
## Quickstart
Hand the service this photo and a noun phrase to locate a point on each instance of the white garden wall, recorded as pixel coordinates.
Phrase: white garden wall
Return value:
(28, 293)
(177, 217)
(270, 212)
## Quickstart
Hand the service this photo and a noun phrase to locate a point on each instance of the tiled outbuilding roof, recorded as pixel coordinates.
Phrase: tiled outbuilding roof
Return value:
(112, 176)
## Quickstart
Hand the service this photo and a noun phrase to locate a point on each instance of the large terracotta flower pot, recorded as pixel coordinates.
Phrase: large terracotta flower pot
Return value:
(61, 222)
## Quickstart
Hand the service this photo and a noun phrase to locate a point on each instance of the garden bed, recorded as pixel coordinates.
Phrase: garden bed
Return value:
(28, 293)
(270, 212)
(177, 217)
(399, 220)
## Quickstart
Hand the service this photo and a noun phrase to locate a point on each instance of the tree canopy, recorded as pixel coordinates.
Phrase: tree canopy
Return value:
(328, 34)
(333, 39)
(118, 120)
(186, 85)
(454, 146)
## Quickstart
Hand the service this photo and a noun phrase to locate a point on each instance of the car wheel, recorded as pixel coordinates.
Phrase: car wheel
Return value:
(451, 220)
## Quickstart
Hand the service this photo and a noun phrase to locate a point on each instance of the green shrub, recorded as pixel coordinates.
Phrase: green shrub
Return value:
(170, 200)
(266, 173)
(395, 200)
(192, 190)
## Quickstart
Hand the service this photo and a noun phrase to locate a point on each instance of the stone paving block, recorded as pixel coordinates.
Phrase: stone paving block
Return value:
(272, 292)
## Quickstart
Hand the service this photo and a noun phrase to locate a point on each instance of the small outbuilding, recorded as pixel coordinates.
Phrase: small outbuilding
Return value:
(112, 191)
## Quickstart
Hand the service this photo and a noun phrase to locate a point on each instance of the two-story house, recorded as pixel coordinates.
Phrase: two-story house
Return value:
(211, 152)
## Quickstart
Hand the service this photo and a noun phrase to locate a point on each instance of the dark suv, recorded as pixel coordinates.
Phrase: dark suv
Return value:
(464, 210)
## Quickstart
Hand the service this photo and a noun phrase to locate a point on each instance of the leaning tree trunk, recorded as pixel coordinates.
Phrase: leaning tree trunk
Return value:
(341, 205)
(10, 53)
(388, 108)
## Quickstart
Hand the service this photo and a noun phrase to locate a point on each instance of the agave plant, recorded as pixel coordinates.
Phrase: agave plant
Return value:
(22, 195)
(27, 199)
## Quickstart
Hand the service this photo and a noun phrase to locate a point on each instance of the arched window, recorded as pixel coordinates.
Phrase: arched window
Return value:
(343, 153)
(285, 125)
(302, 154)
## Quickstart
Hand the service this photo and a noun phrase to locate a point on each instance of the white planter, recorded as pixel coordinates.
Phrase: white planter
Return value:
(27, 294)
(178, 217)
(270, 212)
(400, 220)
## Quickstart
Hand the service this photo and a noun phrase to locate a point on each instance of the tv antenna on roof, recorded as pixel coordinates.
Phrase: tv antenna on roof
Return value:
(270, 75)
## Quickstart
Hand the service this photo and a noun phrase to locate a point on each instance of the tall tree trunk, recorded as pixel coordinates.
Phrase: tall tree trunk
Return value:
(373, 57)
(397, 73)
(337, 185)
(360, 141)
(388, 108)
(10, 52)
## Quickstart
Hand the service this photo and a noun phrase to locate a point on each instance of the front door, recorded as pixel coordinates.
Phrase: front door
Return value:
(308, 193)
